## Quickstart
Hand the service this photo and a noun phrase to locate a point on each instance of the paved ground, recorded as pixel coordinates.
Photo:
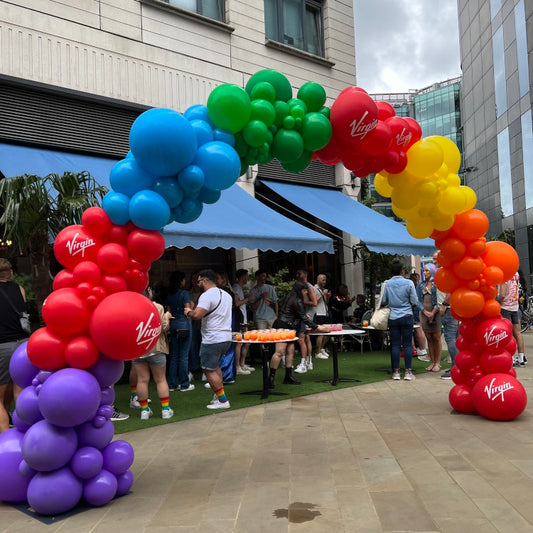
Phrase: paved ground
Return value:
(385, 457)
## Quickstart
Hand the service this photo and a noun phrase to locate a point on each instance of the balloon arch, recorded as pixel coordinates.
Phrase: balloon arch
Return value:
(96, 317)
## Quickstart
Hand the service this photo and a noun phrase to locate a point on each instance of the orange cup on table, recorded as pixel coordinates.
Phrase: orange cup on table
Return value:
(365, 323)
(238, 337)
(253, 335)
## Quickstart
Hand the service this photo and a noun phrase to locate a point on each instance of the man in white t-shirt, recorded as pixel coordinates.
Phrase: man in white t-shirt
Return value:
(214, 310)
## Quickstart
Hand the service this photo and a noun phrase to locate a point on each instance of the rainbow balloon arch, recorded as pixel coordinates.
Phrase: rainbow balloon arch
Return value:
(96, 317)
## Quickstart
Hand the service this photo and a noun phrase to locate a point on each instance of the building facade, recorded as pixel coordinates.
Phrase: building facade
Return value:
(496, 51)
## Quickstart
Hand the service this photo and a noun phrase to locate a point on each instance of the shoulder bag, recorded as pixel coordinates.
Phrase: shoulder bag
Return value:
(380, 317)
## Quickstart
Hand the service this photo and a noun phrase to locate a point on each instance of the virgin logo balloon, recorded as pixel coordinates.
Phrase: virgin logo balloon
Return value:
(494, 334)
(125, 325)
(499, 397)
(73, 245)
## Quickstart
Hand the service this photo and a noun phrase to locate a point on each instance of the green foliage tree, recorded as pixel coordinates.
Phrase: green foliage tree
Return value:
(35, 209)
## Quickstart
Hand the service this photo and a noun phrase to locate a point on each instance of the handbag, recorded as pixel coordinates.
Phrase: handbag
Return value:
(24, 318)
(380, 317)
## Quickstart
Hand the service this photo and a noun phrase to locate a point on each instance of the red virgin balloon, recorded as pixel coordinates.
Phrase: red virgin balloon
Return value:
(125, 325)
(75, 244)
(401, 133)
(499, 397)
(494, 334)
(65, 313)
(146, 246)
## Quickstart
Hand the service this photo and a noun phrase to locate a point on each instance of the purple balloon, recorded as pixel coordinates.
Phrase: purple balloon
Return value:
(46, 447)
(87, 462)
(69, 397)
(43, 375)
(99, 438)
(21, 369)
(52, 493)
(26, 470)
(125, 481)
(19, 424)
(100, 489)
(118, 456)
(105, 410)
(107, 371)
(99, 421)
(107, 396)
(13, 485)
(27, 406)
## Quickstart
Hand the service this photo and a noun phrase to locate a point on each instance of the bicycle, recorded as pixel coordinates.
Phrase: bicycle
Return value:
(526, 319)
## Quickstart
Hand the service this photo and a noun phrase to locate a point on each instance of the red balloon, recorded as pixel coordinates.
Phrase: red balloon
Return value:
(46, 349)
(137, 281)
(65, 313)
(460, 398)
(75, 244)
(118, 234)
(112, 283)
(385, 110)
(512, 372)
(81, 352)
(401, 133)
(494, 363)
(125, 325)
(84, 290)
(511, 346)
(96, 221)
(378, 141)
(353, 115)
(465, 360)
(499, 397)
(457, 376)
(146, 245)
(494, 335)
(88, 272)
(397, 167)
(64, 278)
(416, 131)
(112, 258)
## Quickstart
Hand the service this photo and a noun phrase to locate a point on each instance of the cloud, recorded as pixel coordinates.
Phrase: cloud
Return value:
(405, 44)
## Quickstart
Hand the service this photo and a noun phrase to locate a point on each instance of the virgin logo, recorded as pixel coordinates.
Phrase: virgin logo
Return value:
(403, 138)
(360, 129)
(494, 392)
(494, 339)
(146, 333)
(76, 247)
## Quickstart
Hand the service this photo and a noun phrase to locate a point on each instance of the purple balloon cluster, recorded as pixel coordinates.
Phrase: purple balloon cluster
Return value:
(60, 449)
(176, 164)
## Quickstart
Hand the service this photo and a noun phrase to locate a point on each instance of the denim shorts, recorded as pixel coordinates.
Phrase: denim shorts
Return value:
(156, 359)
(210, 354)
(512, 316)
(6, 351)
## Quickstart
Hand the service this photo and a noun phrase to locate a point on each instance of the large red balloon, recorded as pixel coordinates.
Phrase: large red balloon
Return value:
(465, 360)
(125, 325)
(86, 272)
(112, 258)
(65, 313)
(96, 221)
(378, 141)
(496, 363)
(146, 245)
(494, 334)
(460, 398)
(81, 352)
(401, 133)
(46, 349)
(75, 244)
(499, 397)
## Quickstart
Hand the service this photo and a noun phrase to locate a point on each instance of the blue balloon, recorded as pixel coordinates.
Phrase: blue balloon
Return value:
(187, 211)
(208, 196)
(197, 112)
(117, 207)
(204, 132)
(128, 177)
(149, 210)
(220, 163)
(191, 180)
(224, 136)
(169, 189)
(162, 141)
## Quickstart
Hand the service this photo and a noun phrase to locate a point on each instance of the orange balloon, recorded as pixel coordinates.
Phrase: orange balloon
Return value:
(473, 285)
(490, 292)
(493, 275)
(446, 280)
(466, 303)
(471, 225)
(469, 267)
(477, 247)
(502, 255)
(453, 249)
(491, 309)
(444, 260)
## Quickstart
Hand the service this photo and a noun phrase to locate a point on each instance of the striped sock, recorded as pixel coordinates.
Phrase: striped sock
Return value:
(221, 395)
(164, 403)
(133, 389)
(144, 404)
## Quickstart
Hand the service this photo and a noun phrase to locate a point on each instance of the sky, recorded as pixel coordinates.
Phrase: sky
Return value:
(405, 44)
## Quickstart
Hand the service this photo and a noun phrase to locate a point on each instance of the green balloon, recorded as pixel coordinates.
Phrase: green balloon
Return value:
(264, 91)
(316, 131)
(296, 103)
(289, 122)
(300, 164)
(313, 94)
(280, 83)
(241, 146)
(228, 107)
(264, 111)
(288, 145)
(255, 133)
(326, 111)
(282, 110)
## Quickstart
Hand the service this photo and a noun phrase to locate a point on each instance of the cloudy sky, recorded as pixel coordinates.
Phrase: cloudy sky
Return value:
(405, 44)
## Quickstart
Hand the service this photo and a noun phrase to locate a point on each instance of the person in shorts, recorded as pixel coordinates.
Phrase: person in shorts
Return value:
(214, 309)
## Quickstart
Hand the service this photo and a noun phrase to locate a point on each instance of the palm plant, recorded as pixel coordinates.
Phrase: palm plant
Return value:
(34, 210)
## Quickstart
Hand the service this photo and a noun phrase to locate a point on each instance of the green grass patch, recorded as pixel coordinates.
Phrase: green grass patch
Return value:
(369, 367)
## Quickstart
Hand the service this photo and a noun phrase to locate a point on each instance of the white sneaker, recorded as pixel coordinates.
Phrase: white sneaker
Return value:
(207, 386)
(301, 368)
(396, 376)
(218, 405)
(146, 414)
(189, 388)
(249, 368)
(320, 355)
(310, 365)
(167, 413)
(243, 372)
(191, 377)
(324, 353)
(135, 404)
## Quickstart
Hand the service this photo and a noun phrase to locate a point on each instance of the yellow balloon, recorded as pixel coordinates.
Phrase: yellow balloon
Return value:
(452, 156)
(381, 184)
(404, 197)
(420, 228)
(427, 190)
(453, 180)
(452, 201)
(471, 198)
(424, 158)
(442, 222)
(403, 213)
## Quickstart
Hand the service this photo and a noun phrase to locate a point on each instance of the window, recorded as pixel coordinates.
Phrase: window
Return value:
(208, 8)
(296, 23)
(500, 84)
(504, 165)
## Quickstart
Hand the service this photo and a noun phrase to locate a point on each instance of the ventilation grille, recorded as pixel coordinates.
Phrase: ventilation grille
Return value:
(315, 174)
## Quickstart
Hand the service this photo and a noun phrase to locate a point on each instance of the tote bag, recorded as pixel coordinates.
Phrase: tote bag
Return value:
(380, 317)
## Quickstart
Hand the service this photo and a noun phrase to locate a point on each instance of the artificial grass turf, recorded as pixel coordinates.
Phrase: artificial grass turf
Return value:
(369, 367)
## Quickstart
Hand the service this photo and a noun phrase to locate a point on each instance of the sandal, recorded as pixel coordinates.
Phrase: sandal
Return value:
(430, 367)
(436, 368)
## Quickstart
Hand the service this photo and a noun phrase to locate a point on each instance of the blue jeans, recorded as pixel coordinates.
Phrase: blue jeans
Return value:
(451, 332)
(401, 335)
(178, 372)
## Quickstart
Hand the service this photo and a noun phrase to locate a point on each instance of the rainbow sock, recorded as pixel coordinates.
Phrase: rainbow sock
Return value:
(164, 403)
(221, 395)
(133, 389)
(144, 404)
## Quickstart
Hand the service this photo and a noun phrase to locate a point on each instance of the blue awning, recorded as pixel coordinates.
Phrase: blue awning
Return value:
(237, 220)
(378, 232)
